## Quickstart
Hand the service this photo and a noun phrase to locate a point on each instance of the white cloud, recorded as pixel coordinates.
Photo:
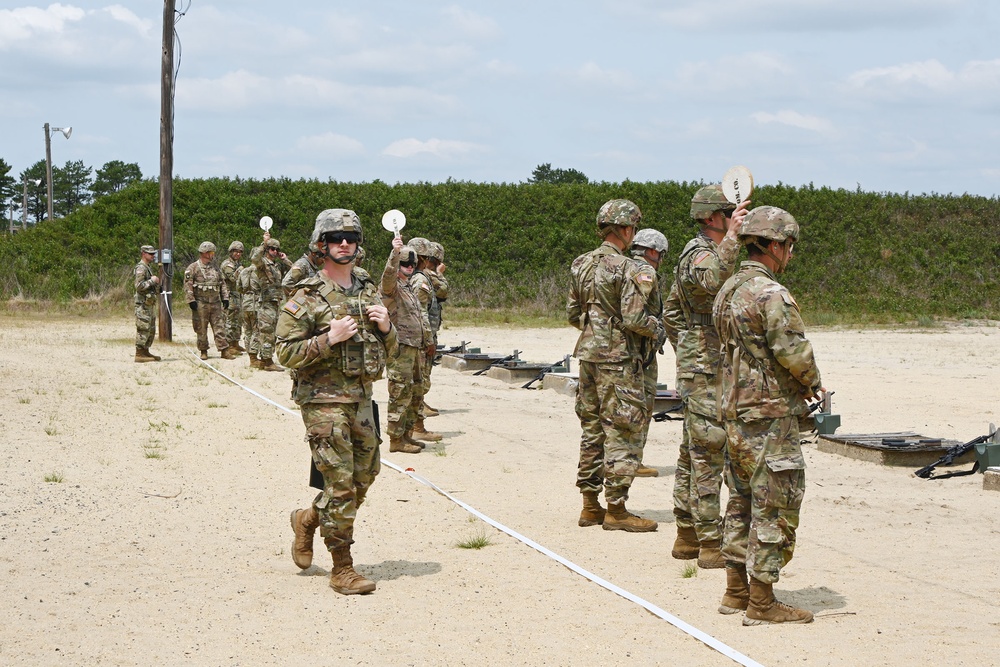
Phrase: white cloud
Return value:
(931, 75)
(442, 148)
(733, 72)
(470, 24)
(331, 145)
(25, 24)
(592, 74)
(126, 16)
(795, 119)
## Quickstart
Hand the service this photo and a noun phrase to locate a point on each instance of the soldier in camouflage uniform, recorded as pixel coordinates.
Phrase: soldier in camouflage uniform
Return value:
(271, 265)
(305, 266)
(406, 366)
(435, 313)
(423, 285)
(230, 268)
(249, 288)
(767, 373)
(146, 288)
(208, 296)
(609, 293)
(705, 263)
(336, 334)
(648, 248)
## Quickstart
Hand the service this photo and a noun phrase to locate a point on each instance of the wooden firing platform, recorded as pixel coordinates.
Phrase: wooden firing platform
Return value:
(459, 363)
(564, 383)
(991, 479)
(869, 447)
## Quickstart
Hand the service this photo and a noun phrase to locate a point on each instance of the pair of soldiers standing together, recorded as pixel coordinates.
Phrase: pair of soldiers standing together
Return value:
(744, 371)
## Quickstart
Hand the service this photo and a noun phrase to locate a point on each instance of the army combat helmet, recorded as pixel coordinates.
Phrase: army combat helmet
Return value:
(707, 201)
(234, 246)
(421, 245)
(334, 220)
(206, 246)
(769, 223)
(650, 238)
(617, 213)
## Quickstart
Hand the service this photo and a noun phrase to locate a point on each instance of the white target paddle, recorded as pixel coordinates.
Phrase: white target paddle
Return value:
(393, 221)
(266, 222)
(737, 184)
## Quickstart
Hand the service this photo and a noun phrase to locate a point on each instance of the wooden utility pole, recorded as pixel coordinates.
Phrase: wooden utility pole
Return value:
(166, 171)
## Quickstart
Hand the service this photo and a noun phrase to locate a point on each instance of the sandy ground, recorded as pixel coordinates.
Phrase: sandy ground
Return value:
(167, 540)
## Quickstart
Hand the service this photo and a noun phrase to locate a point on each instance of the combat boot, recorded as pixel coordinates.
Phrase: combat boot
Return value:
(764, 609)
(646, 471)
(142, 356)
(254, 361)
(230, 353)
(737, 595)
(420, 433)
(686, 545)
(151, 355)
(408, 437)
(343, 577)
(239, 348)
(428, 411)
(619, 518)
(593, 513)
(204, 355)
(397, 444)
(710, 555)
(304, 525)
(269, 365)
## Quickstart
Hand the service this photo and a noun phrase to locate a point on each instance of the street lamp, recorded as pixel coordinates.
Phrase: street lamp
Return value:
(48, 159)
(24, 203)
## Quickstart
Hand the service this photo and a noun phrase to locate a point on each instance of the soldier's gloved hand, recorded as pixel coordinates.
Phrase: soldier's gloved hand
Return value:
(194, 305)
(225, 303)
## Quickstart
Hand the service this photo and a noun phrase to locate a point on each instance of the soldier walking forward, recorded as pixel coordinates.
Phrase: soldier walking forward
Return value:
(146, 288)
(208, 296)
(335, 332)
(271, 265)
(705, 263)
(607, 302)
(766, 376)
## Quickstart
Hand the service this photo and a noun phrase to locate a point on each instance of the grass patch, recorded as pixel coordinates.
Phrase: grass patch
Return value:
(55, 478)
(213, 404)
(161, 427)
(440, 452)
(143, 382)
(689, 571)
(51, 429)
(477, 541)
(152, 452)
(516, 317)
(24, 400)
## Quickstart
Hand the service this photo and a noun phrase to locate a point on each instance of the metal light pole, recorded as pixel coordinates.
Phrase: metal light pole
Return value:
(48, 159)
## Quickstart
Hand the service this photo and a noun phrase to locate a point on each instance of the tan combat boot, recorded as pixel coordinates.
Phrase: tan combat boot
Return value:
(239, 348)
(343, 578)
(710, 555)
(420, 433)
(619, 518)
(593, 513)
(408, 437)
(646, 471)
(428, 411)
(143, 356)
(398, 444)
(737, 595)
(269, 365)
(304, 525)
(254, 361)
(230, 353)
(764, 609)
(686, 546)
(204, 355)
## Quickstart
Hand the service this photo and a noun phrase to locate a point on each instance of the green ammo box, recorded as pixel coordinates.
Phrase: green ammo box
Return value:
(988, 455)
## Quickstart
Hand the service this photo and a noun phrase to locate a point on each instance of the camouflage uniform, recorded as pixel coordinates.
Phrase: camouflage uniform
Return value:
(423, 285)
(234, 314)
(145, 305)
(304, 267)
(249, 288)
(204, 285)
(269, 274)
(701, 270)
(334, 390)
(767, 369)
(406, 366)
(608, 301)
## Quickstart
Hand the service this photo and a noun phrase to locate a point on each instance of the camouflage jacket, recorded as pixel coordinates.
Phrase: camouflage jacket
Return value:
(423, 287)
(608, 299)
(654, 306)
(269, 273)
(767, 367)
(440, 283)
(343, 373)
(701, 270)
(204, 282)
(405, 310)
(230, 273)
(145, 288)
(249, 288)
(302, 268)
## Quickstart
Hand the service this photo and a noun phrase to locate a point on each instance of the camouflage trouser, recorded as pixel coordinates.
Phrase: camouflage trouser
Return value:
(345, 450)
(145, 324)
(234, 320)
(250, 331)
(700, 461)
(404, 372)
(649, 377)
(267, 320)
(767, 477)
(209, 312)
(611, 405)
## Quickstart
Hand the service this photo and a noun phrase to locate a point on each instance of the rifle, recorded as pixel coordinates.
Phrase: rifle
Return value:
(499, 362)
(664, 415)
(927, 472)
(449, 350)
(543, 371)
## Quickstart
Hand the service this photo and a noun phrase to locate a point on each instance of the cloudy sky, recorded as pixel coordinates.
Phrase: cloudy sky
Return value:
(888, 95)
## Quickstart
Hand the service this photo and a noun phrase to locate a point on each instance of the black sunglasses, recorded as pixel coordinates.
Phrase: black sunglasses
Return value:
(407, 264)
(337, 238)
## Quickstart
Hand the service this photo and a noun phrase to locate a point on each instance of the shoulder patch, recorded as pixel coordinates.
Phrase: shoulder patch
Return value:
(293, 308)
